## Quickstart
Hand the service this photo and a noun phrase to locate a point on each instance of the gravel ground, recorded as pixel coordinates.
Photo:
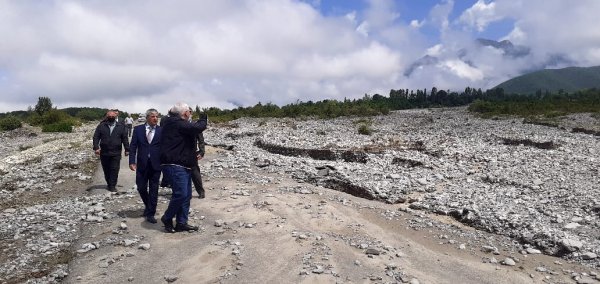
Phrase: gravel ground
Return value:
(534, 187)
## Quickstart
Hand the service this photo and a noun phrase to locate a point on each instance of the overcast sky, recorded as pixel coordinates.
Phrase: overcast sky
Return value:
(137, 54)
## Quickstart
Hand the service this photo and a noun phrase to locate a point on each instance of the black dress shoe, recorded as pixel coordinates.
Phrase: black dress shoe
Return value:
(151, 219)
(201, 194)
(168, 225)
(185, 227)
(112, 189)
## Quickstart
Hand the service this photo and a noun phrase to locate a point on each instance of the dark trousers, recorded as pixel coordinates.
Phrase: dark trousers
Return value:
(110, 167)
(129, 128)
(147, 186)
(181, 184)
(197, 180)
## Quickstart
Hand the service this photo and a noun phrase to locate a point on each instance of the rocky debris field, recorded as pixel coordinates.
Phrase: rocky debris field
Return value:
(43, 177)
(499, 192)
(536, 184)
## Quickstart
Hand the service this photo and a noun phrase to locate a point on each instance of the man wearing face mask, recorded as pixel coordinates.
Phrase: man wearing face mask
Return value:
(177, 158)
(109, 140)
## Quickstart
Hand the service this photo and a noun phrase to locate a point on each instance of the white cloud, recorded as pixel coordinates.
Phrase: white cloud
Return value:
(140, 54)
(438, 15)
(381, 13)
(435, 50)
(480, 15)
(416, 24)
(463, 70)
(373, 61)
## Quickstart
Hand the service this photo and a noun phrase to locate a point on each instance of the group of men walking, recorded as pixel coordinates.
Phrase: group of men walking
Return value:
(172, 148)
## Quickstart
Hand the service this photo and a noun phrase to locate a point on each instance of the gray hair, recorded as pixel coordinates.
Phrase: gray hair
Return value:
(180, 108)
(151, 111)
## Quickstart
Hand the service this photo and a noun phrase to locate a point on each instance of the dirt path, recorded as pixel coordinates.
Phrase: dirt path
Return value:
(282, 231)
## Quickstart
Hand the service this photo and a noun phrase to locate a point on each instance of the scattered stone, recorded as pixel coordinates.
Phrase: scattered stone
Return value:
(488, 249)
(144, 246)
(532, 251)
(572, 226)
(571, 245)
(509, 262)
(372, 251)
(589, 256)
(318, 270)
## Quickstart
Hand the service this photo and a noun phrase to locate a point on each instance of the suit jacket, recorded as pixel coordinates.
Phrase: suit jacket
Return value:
(140, 148)
(110, 143)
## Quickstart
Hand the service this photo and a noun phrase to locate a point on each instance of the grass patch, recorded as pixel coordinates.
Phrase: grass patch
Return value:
(48, 140)
(365, 129)
(363, 121)
(541, 121)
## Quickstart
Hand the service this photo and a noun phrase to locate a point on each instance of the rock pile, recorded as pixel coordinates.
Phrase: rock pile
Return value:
(539, 185)
(39, 219)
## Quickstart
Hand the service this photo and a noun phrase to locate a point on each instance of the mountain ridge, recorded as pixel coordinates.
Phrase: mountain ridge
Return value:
(568, 79)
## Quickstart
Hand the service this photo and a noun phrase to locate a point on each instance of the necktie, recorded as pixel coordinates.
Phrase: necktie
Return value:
(150, 134)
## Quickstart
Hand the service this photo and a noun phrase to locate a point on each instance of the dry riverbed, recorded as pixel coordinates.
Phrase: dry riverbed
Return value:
(432, 196)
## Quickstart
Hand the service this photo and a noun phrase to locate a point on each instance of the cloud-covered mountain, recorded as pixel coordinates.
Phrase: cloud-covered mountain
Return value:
(484, 60)
(507, 49)
(506, 46)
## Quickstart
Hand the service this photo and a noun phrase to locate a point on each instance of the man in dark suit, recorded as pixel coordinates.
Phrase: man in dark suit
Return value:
(110, 137)
(145, 161)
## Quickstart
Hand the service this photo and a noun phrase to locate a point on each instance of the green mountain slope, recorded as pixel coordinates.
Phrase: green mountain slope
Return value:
(568, 79)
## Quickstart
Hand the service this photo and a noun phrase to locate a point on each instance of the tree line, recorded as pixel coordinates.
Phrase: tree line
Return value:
(51, 119)
(368, 105)
(544, 104)
(488, 103)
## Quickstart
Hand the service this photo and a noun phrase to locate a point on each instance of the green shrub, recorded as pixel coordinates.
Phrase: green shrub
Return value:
(554, 114)
(34, 119)
(51, 117)
(55, 116)
(481, 106)
(362, 120)
(90, 115)
(58, 127)
(364, 129)
(9, 123)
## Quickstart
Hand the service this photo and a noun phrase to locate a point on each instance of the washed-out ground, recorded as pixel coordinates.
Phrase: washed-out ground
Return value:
(432, 196)
(282, 231)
